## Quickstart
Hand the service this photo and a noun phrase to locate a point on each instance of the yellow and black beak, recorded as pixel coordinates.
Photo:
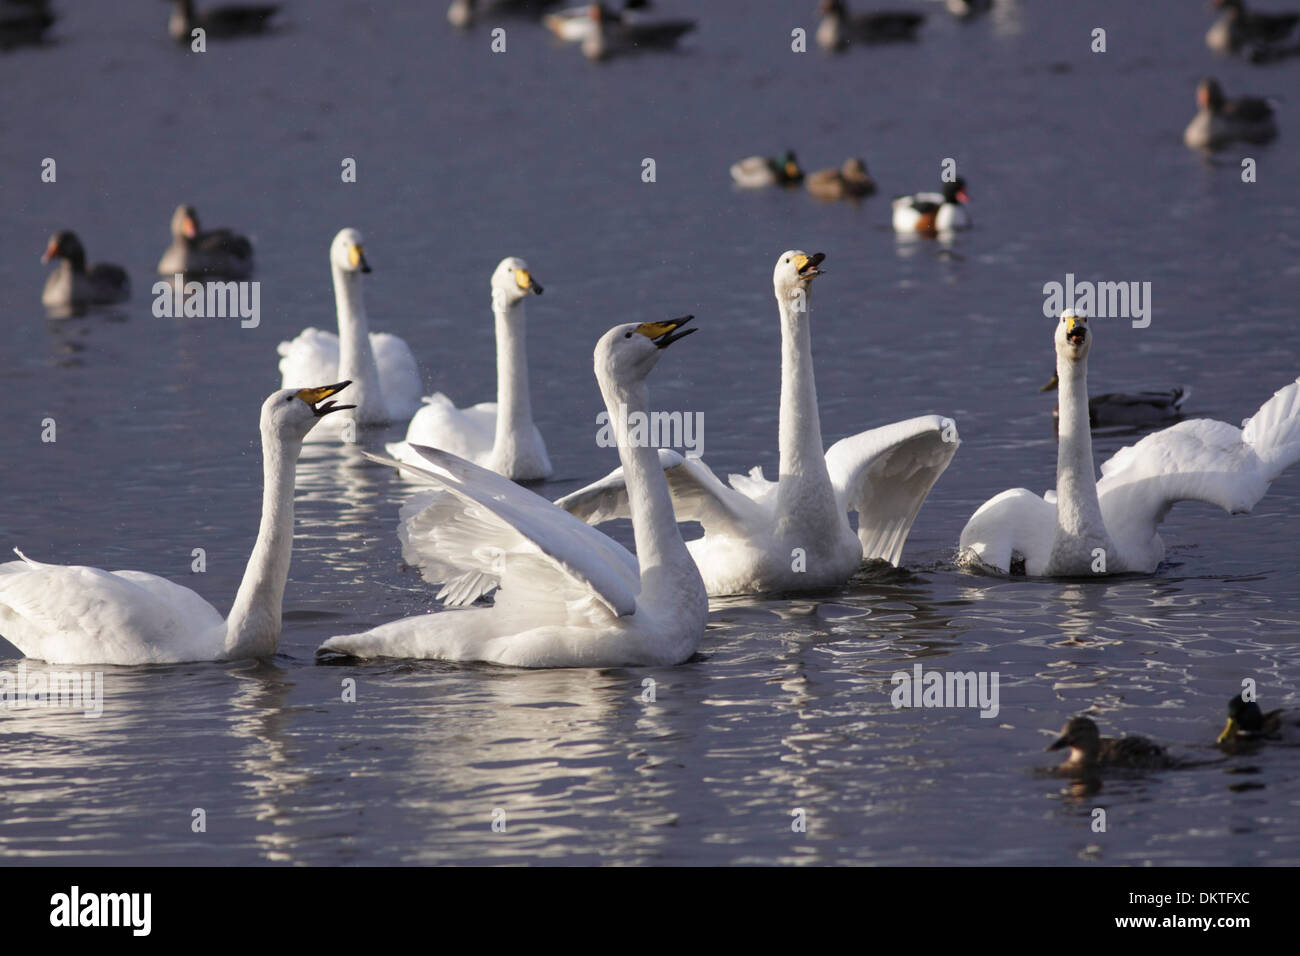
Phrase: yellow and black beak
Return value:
(1229, 731)
(664, 334)
(357, 257)
(525, 281)
(1053, 385)
(807, 265)
(1076, 330)
(314, 396)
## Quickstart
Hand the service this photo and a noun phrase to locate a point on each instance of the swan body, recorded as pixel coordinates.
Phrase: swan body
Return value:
(73, 284)
(200, 254)
(931, 214)
(756, 172)
(794, 533)
(496, 435)
(567, 595)
(1196, 460)
(1220, 121)
(850, 181)
(79, 615)
(385, 377)
(838, 28)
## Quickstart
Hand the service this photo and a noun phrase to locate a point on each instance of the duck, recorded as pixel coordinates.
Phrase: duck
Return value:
(1113, 409)
(565, 595)
(794, 534)
(220, 22)
(850, 181)
(204, 254)
(72, 614)
(462, 13)
(1247, 722)
(756, 172)
(610, 34)
(839, 28)
(1090, 752)
(575, 24)
(73, 284)
(1237, 28)
(1219, 120)
(496, 435)
(930, 214)
(1086, 527)
(962, 9)
(381, 366)
(24, 23)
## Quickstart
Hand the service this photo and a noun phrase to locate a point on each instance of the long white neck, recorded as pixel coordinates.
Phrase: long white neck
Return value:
(803, 459)
(356, 360)
(253, 625)
(660, 551)
(1077, 509)
(514, 407)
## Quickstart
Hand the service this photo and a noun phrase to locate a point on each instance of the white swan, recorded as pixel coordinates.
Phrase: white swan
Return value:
(67, 614)
(794, 534)
(569, 596)
(1110, 526)
(386, 380)
(506, 442)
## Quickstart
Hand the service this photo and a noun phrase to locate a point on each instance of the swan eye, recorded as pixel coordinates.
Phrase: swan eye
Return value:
(288, 398)
(627, 335)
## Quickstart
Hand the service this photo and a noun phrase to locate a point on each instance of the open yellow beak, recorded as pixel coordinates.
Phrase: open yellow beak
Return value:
(525, 281)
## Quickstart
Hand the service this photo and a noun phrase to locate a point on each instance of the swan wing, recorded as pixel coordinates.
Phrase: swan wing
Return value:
(311, 358)
(479, 531)
(1199, 460)
(1016, 525)
(885, 475)
(696, 492)
(399, 375)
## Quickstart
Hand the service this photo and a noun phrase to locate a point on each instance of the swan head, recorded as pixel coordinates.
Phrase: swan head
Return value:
(292, 412)
(794, 272)
(185, 222)
(1080, 735)
(628, 352)
(1073, 341)
(347, 253)
(64, 244)
(512, 281)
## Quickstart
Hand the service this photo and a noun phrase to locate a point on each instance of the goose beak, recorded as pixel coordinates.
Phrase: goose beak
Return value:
(1229, 731)
(1052, 385)
(807, 265)
(313, 396)
(664, 334)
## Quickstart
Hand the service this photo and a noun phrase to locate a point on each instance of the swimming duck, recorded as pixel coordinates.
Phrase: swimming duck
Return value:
(24, 23)
(839, 28)
(932, 213)
(229, 21)
(461, 13)
(754, 172)
(1221, 120)
(1247, 722)
(575, 24)
(73, 285)
(1091, 752)
(610, 35)
(1237, 28)
(216, 253)
(850, 181)
(1128, 408)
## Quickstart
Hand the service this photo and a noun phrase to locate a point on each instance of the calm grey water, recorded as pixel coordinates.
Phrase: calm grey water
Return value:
(1075, 164)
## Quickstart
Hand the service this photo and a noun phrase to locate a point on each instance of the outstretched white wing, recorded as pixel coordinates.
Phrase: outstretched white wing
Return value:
(885, 475)
(480, 531)
(696, 492)
(1198, 460)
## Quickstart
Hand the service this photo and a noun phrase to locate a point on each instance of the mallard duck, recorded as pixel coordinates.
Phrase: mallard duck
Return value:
(1220, 120)
(1091, 752)
(932, 213)
(839, 28)
(850, 181)
(1247, 722)
(195, 253)
(1129, 408)
(754, 172)
(73, 284)
(1238, 29)
(228, 21)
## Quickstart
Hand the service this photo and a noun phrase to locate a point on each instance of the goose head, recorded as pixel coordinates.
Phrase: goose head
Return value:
(1073, 341)
(511, 282)
(626, 353)
(185, 222)
(64, 244)
(291, 413)
(347, 254)
(1209, 95)
(955, 191)
(1081, 736)
(794, 273)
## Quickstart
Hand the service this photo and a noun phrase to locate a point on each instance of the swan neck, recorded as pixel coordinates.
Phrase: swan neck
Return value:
(514, 407)
(803, 458)
(356, 359)
(1078, 510)
(253, 627)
